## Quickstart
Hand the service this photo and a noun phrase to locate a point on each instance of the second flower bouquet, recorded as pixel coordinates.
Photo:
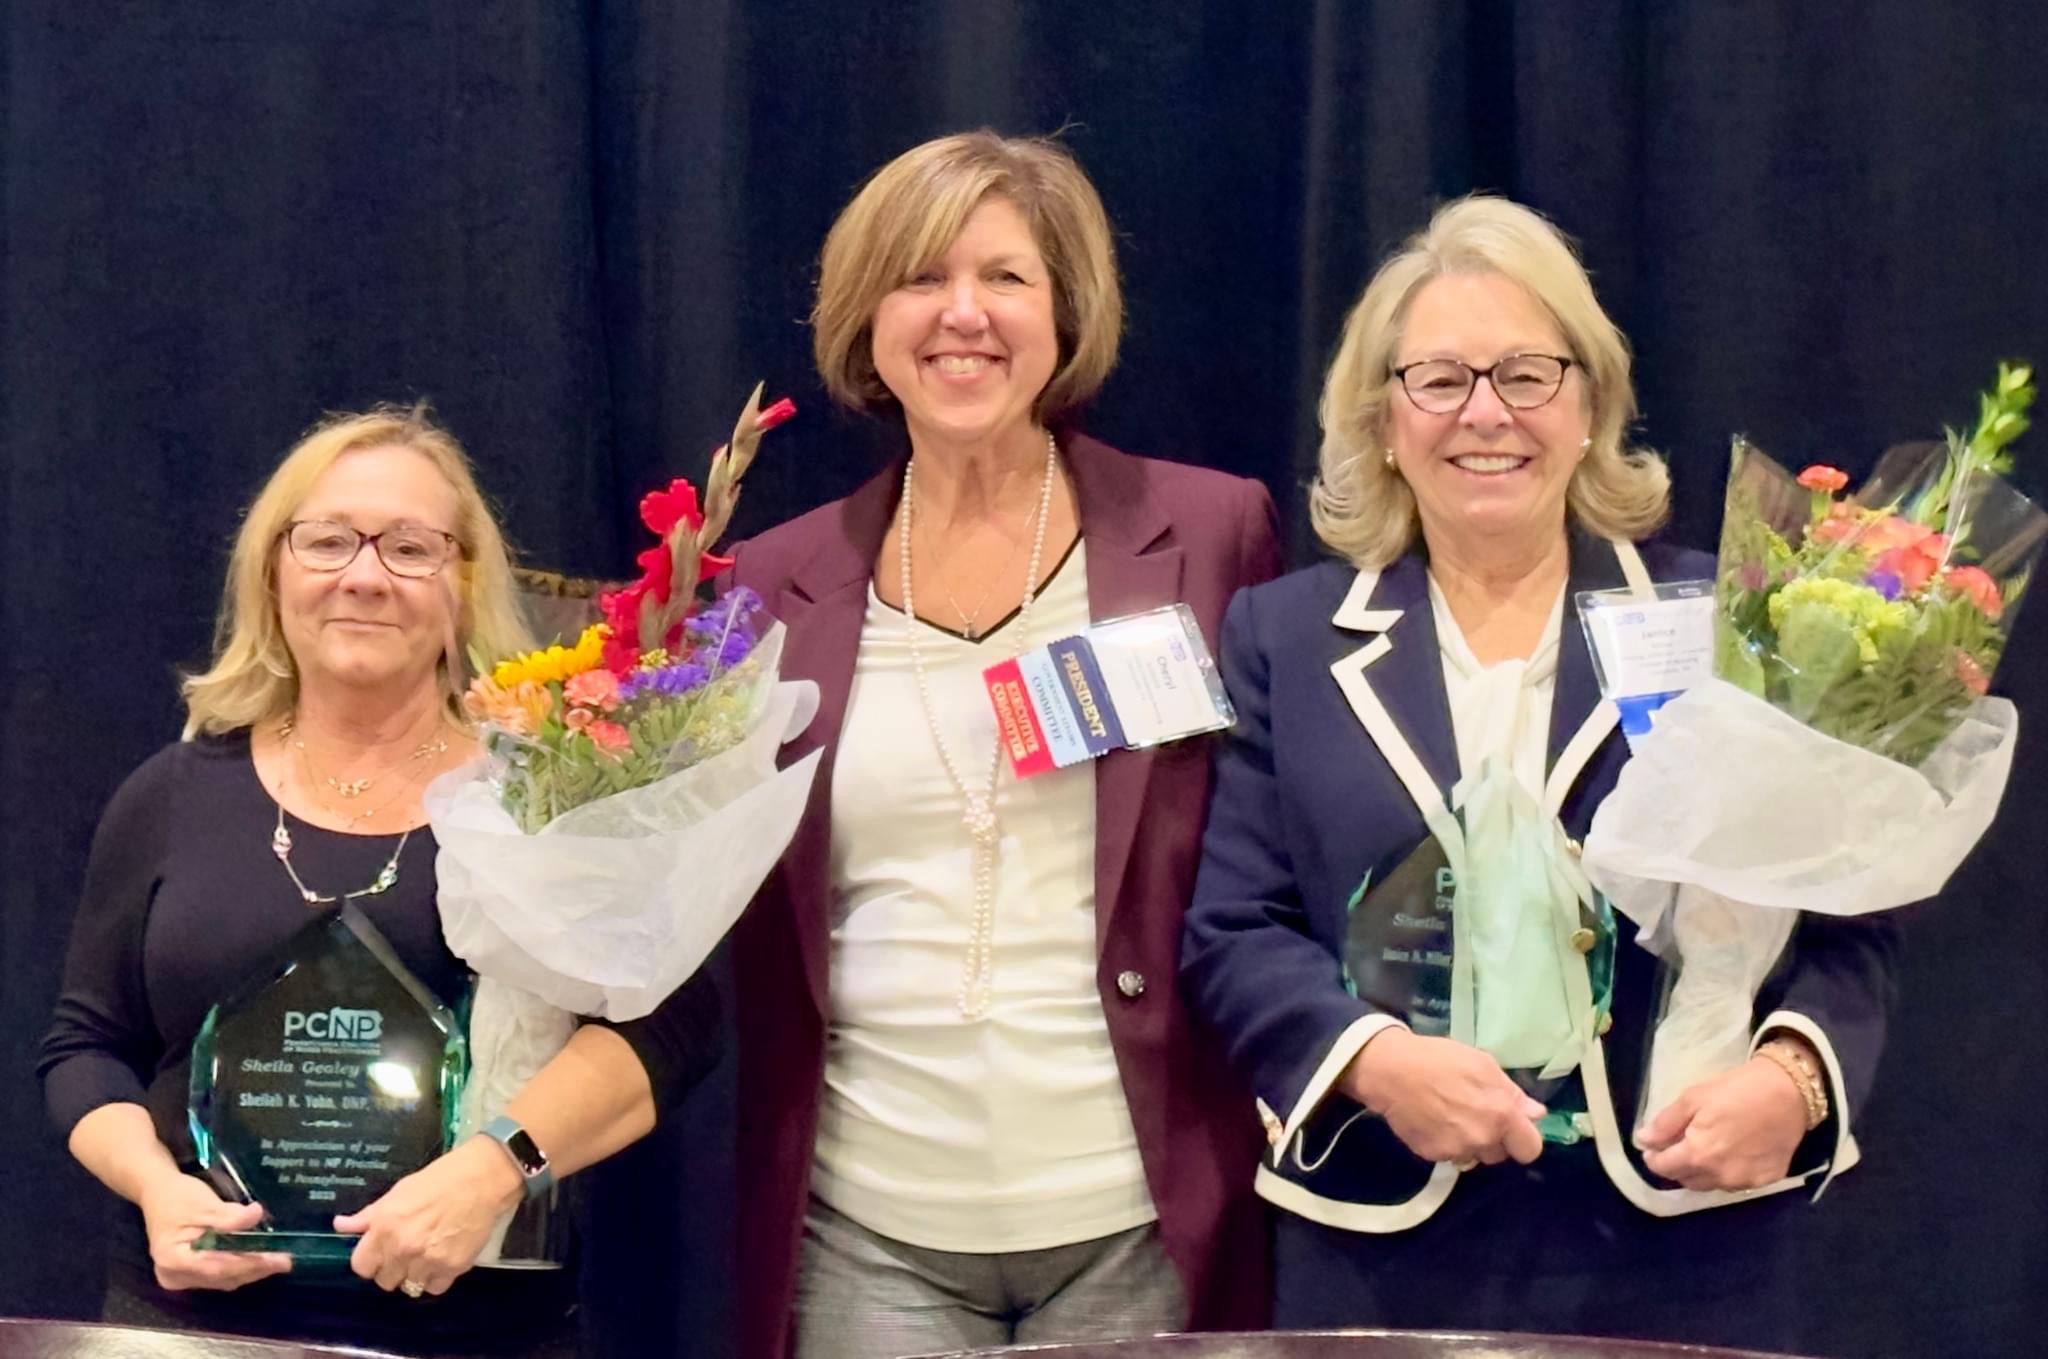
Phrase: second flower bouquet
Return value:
(1844, 759)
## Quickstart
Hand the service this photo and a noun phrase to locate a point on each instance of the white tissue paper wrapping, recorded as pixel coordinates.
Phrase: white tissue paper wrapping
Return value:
(1731, 816)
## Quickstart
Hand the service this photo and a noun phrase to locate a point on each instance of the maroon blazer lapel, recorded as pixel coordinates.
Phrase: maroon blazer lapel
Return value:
(823, 606)
(1133, 565)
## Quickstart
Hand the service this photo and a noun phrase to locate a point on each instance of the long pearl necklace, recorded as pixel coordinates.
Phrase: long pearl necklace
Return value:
(978, 805)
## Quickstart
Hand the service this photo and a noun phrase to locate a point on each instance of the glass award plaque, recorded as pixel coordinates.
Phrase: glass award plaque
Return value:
(1397, 945)
(1398, 958)
(323, 1082)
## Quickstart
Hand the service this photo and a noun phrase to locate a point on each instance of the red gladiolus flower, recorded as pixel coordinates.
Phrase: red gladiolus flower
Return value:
(663, 510)
(1977, 584)
(1820, 477)
(774, 415)
(657, 569)
(621, 610)
(621, 654)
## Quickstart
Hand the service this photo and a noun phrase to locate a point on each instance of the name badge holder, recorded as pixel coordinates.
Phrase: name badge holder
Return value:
(1649, 650)
(1124, 684)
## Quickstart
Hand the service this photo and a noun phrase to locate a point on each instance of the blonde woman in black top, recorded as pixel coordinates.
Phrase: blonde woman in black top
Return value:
(365, 567)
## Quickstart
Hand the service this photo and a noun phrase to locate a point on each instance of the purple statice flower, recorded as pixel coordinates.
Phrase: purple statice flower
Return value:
(724, 632)
(727, 651)
(738, 609)
(1886, 583)
(668, 681)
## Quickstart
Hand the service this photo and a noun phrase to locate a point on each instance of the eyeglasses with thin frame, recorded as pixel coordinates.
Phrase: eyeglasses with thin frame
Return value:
(1523, 382)
(411, 550)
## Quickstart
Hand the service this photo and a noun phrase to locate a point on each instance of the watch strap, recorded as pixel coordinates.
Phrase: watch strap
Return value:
(527, 1157)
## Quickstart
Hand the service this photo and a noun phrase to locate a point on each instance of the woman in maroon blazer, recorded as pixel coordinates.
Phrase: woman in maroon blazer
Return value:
(974, 1109)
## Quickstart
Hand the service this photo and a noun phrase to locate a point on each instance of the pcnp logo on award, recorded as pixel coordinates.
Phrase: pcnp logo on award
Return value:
(337, 1024)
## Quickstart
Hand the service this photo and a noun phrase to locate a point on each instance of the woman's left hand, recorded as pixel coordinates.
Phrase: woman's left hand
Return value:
(428, 1229)
(1737, 1130)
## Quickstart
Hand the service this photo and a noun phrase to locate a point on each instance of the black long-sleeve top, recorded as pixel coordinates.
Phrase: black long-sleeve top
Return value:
(184, 902)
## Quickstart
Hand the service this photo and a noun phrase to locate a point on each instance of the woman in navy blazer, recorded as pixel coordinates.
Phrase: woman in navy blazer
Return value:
(968, 294)
(1478, 404)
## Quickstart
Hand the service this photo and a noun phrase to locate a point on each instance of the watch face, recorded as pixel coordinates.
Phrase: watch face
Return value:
(523, 1150)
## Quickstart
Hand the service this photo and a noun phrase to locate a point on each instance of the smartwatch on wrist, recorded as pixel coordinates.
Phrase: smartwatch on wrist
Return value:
(527, 1157)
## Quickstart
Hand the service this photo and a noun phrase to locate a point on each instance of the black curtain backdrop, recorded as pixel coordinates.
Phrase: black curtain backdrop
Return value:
(584, 229)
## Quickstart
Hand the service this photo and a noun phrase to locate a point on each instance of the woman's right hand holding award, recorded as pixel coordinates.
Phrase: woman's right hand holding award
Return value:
(177, 1209)
(1445, 1100)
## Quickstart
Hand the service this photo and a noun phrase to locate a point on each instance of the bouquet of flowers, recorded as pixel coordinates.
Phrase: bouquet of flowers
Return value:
(1844, 759)
(1878, 620)
(569, 726)
(628, 805)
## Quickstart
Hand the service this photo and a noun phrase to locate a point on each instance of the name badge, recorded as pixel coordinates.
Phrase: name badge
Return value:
(1127, 684)
(1649, 651)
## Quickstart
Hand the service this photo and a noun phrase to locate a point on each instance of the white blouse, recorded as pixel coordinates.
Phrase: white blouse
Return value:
(1504, 708)
(1008, 1132)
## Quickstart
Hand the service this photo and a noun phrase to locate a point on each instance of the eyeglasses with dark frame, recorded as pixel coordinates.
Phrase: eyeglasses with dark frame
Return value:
(1523, 382)
(410, 550)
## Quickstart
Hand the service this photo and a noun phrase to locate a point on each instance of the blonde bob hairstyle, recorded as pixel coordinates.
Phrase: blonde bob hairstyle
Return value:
(909, 213)
(253, 678)
(1360, 507)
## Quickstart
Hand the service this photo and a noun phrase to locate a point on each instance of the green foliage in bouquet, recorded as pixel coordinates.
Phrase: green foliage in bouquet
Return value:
(1879, 619)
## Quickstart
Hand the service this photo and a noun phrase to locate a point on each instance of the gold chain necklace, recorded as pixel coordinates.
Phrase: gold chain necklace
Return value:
(429, 749)
(970, 619)
(355, 788)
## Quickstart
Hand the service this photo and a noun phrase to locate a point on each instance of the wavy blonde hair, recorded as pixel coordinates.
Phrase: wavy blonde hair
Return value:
(1361, 508)
(908, 214)
(253, 677)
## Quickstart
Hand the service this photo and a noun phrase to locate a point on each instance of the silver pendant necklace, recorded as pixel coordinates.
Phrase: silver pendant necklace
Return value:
(386, 879)
(978, 805)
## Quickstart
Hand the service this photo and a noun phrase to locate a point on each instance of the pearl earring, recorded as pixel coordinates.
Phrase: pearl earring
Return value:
(1390, 458)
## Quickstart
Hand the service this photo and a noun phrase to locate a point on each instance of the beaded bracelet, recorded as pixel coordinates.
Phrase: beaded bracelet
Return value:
(1792, 1059)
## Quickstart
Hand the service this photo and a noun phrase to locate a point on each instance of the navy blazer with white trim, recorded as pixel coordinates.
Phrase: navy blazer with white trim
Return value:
(1307, 801)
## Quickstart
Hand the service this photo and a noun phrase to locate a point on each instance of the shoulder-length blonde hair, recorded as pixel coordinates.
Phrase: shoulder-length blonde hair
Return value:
(1360, 507)
(253, 677)
(906, 216)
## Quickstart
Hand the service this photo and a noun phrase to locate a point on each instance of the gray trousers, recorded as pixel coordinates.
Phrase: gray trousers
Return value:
(864, 1296)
